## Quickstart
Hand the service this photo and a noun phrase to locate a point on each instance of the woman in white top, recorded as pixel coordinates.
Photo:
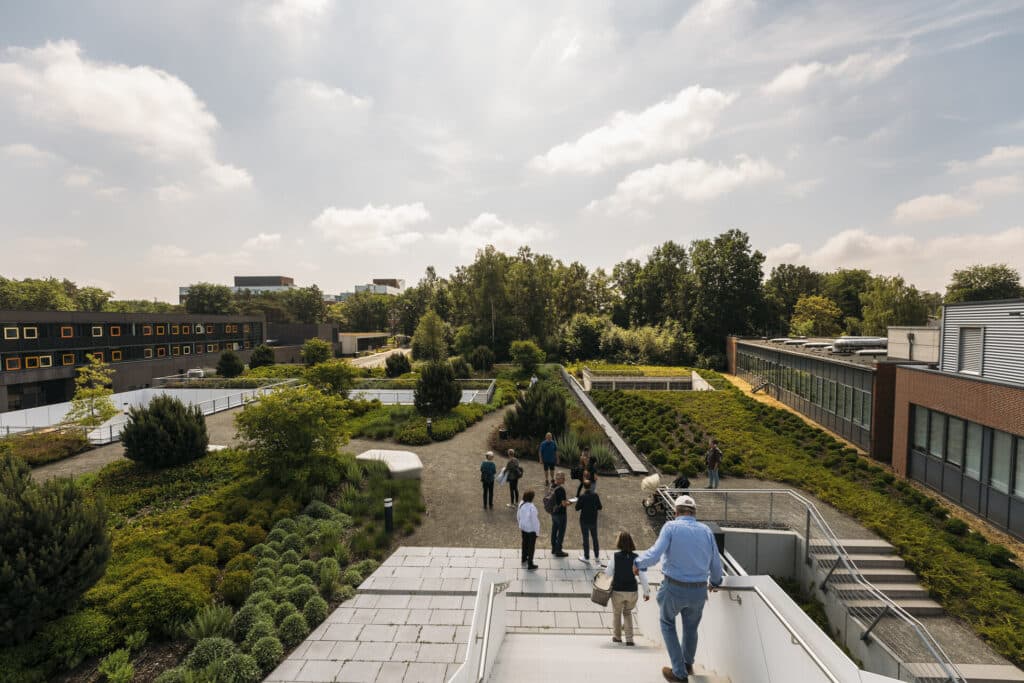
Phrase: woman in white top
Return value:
(529, 525)
(624, 586)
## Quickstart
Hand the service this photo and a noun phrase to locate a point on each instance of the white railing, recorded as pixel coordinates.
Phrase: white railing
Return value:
(486, 632)
(788, 508)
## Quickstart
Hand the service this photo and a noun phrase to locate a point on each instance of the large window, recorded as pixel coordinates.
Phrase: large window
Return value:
(955, 446)
(970, 350)
(30, 332)
(1018, 486)
(67, 332)
(920, 428)
(97, 330)
(937, 436)
(11, 333)
(67, 359)
(972, 454)
(1002, 453)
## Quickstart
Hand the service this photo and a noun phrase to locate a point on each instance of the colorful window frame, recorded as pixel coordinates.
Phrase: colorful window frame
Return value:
(116, 355)
(98, 355)
(147, 353)
(67, 331)
(212, 348)
(161, 329)
(67, 359)
(186, 329)
(46, 361)
(161, 352)
(175, 350)
(147, 330)
(199, 349)
(30, 332)
(31, 362)
(115, 330)
(11, 333)
(175, 329)
(12, 363)
(186, 350)
(97, 330)
(200, 329)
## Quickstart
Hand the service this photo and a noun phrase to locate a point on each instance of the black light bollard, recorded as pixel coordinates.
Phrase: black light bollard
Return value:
(389, 515)
(430, 428)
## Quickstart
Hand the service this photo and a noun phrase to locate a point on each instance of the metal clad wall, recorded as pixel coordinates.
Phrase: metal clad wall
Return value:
(1003, 352)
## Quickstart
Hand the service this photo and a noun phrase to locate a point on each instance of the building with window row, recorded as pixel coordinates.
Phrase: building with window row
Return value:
(39, 351)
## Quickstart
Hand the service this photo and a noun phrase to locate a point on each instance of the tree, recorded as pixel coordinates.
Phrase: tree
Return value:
(844, 286)
(230, 365)
(397, 364)
(165, 433)
(261, 356)
(891, 301)
(437, 392)
(53, 547)
(785, 286)
(481, 358)
(815, 316)
(541, 409)
(727, 289)
(984, 283)
(429, 343)
(315, 351)
(91, 298)
(527, 354)
(305, 304)
(460, 368)
(209, 299)
(332, 376)
(91, 405)
(581, 336)
(293, 435)
(36, 295)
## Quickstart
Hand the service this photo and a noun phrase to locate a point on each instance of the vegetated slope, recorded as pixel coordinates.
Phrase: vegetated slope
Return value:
(974, 580)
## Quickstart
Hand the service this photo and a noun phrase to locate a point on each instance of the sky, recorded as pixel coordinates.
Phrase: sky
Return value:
(144, 146)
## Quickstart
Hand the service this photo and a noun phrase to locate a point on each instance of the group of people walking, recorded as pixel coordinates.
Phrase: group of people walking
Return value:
(686, 549)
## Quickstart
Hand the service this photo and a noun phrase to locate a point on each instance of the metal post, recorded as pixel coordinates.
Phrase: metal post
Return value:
(726, 506)
(867, 634)
(389, 515)
(807, 539)
(771, 508)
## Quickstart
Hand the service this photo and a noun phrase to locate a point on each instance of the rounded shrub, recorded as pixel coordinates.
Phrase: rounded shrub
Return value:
(244, 618)
(267, 652)
(185, 557)
(159, 603)
(344, 593)
(293, 629)
(287, 525)
(436, 392)
(234, 587)
(207, 651)
(289, 557)
(308, 568)
(242, 668)
(283, 611)
(206, 574)
(955, 526)
(292, 543)
(165, 433)
(301, 593)
(315, 610)
(290, 570)
(78, 636)
(241, 561)
(319, 510)
(227, 547)
(352, 577)
(260, 629)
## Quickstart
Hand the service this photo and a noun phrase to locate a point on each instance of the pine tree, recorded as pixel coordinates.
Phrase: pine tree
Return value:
(397, 364)
(540, 410)
(53, 547)
(437, 392)
(261, 355)
(165, 433)
(230, 365)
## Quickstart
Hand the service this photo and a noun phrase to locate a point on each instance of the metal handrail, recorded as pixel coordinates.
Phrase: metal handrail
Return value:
(482, 666)
(789, 627)
(668, 495)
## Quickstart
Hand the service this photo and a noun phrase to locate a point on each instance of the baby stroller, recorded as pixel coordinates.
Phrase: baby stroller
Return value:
(653, 502)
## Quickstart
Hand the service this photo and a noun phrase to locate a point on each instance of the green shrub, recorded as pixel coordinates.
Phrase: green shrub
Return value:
(437, 392)
(212, 621)
(234, 587)
(300, 594)
(345, 593)
(242, 668)
(328, 571)
(117, 667)
(185, 557)
(53, 544)
(227, 547)
(244, 618)
(230, 365)
(241, 561)
(159, 604)
(260, 629)
(413, 434)
(315, 351)
(481, 358)
(352, 577)
(78, 636)
(957, 527)
(526, 354)
(283, 611)
(460, 368)
(207, 651)
(605, 456)
(178, 674)
(40, 448)
(334, 377)
(166, 433)
(267, 652)
(446, 427)
(261, 356)
(315, 610)
(397, 364)
(540, 410)
(293, 630)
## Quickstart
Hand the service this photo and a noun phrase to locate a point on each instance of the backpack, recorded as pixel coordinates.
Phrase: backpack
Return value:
(549, 501)
(576, 472)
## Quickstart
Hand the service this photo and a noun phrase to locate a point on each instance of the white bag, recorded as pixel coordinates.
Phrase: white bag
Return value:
(503, 476)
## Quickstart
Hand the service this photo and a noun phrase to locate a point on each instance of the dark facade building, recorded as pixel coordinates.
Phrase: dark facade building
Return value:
(263, 281)
(959, 428)
(39, 351)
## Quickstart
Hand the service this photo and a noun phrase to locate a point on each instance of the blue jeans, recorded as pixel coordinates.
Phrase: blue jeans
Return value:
(713, 478)
(686, 602)
(558, 523)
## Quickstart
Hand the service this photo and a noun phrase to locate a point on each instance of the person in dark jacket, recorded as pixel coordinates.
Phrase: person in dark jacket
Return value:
(624, 585)
(588, 505)
(587, 470)
(513, 473)
(488, 470)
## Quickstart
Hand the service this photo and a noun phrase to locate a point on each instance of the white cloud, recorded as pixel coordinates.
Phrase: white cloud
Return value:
(858, 68)
(287, 14)
(110, 192)
(666, 127)
(263, 241)
(998, 186)
(172, 193)
(27, 152)
(227, 177)
(710, 12)
(487, 229)
(803, 188)
(924, 262)
(305, 92)
(55, 243)
(372, 229)
(934, 207)
(81, 177)
(1009, 155)
(692, 180)
(154, 112)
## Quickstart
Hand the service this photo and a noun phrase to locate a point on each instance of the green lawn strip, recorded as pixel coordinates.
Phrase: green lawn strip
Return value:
(41, 448)
(972, 579)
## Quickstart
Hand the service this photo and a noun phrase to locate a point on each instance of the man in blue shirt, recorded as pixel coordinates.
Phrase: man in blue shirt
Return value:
(549, 458)
(692, 568)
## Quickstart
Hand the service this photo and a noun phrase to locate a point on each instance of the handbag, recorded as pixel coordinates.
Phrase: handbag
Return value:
(503, 476)
(601, 592)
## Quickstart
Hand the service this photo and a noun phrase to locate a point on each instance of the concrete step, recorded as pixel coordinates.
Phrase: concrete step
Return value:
(857, 546)
(863, 561)
(929, 672)
(895, 591)
(875, 575)
(918, 608)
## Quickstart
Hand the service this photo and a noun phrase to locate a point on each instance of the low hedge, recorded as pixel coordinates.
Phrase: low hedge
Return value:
(41, 448)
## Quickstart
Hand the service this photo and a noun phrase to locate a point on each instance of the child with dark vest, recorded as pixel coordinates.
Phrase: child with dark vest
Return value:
(624, 586)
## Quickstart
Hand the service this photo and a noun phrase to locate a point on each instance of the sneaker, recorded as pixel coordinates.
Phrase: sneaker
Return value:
(616, 639)
(584, 559)
(630, 643)
(560, 554)
(667, 672)
(531, 567)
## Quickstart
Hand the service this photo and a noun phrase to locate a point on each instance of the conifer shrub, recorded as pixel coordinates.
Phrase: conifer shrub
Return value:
(437, 392)
(540, 410)
(213, 621)
(261, 356)
(165, 433)
(460, 368)
(397, 364)
(235, 586)
(481, 358)
(207, 651)
(267, 652)
(53, 547)
(526, 354)
(315, 610)
(242, 668)
(230, 365)
(260, 629)
(293, 629)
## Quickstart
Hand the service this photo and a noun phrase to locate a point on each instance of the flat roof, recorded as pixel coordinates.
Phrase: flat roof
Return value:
(364, 334)
(984, 303)
(847, 359)
(99, 317)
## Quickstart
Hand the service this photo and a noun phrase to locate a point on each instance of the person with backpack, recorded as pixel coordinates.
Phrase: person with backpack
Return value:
(513, 473)
(529, 527)
(585, 471)
(713, 459)
(555, 502)
(488, 470)
(624, 587)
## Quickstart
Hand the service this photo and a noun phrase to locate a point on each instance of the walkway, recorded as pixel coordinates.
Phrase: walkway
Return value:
(376, 360)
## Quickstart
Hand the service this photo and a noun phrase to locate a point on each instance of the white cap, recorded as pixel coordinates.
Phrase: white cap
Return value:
(489, 454)
(686, 502)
